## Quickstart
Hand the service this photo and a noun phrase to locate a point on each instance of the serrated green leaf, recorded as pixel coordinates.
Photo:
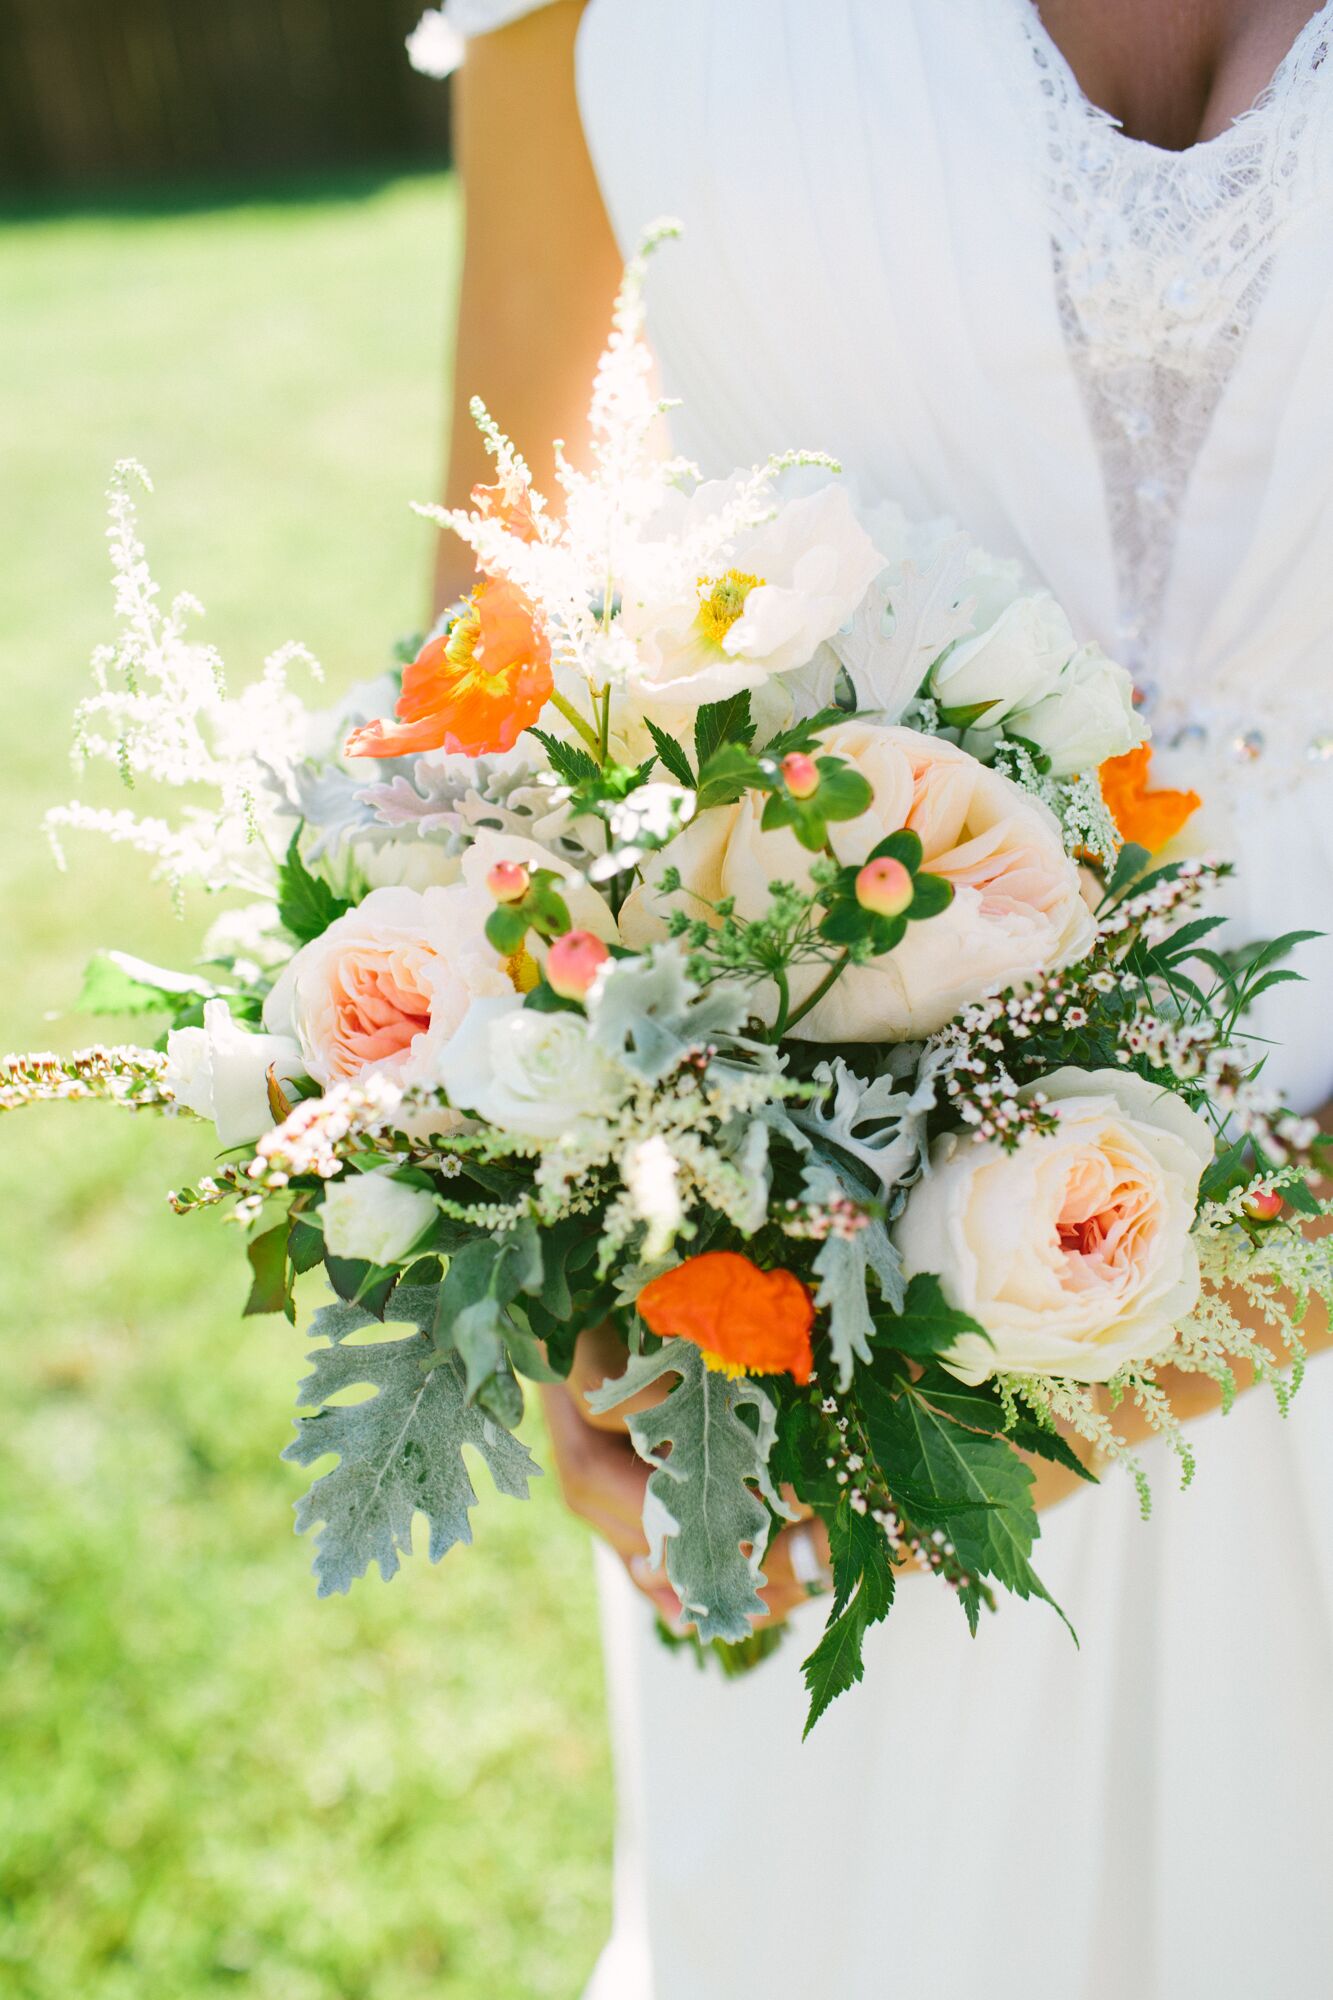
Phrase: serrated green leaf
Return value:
(701, 1504)
(730, 771)
(863, 1584)
(804, 735)
(927, 1324)
(942, 1464)
(719, 722)
(306, 903)
(980, 1409)
(672, 755)
(571, 764)
(400, 1452)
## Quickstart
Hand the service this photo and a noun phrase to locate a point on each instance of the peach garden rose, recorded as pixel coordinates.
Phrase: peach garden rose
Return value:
(1017, 907)
(1074, 1251)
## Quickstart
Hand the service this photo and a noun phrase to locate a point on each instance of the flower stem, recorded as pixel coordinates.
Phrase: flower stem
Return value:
(834, 972)
(571, 715)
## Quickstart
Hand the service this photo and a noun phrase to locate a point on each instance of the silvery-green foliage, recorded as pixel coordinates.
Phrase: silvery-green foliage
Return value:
(744, 1142)
(700, 1504)
(914, 611)
(410, 1305)
(648, 1013)
(842, 1266)
(330, 802)
(881, 1124)
(399, 1452)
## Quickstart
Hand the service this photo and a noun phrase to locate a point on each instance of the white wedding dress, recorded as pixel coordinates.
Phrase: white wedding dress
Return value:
(911, 241)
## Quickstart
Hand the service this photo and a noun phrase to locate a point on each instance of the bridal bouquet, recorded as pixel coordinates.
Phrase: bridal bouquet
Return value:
(740, 930)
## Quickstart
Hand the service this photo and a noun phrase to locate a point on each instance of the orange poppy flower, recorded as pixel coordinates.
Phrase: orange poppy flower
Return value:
(474, 689)
(747, 1321)
(509, 501)
(1148, 818)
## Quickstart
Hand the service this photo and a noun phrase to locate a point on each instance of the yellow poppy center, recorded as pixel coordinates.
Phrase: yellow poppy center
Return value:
(732, 1369)
(722, 600)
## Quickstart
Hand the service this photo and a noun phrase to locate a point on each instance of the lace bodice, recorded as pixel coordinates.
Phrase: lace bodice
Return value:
(1160, 261)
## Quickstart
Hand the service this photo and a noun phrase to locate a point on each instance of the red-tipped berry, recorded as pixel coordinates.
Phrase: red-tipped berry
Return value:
(573, 963)
(800, 774)
(508, 881)
(884, 887)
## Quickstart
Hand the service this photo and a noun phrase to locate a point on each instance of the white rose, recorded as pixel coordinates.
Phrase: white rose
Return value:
(221, 1071)
(528, 1072)
(1017, 907)
(787, 585)
(406, 860)
(1009, 663)
(1088, 716)
(1074, 1252)
(375, 1217)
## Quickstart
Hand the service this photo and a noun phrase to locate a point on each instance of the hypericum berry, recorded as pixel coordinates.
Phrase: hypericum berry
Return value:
(884, 887)
(800, 774)
(508, 881)
(573, 963)
(1264, 1207)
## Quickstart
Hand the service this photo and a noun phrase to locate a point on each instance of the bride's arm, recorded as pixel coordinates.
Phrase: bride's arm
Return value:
(540, 265)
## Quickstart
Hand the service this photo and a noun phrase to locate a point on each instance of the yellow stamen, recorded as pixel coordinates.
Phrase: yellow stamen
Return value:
(732, 1369)
(722, 600)
(522, 970)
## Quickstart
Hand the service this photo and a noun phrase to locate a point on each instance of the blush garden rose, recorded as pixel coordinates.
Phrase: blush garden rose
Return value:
(1074, 1252)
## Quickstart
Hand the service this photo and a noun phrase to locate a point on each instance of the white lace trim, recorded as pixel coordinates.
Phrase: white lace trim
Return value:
(1160, 262)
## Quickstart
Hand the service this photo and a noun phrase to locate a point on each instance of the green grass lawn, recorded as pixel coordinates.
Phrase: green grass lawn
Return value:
(209, 1781)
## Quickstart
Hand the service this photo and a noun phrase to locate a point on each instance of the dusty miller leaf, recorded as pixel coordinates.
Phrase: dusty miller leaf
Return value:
(400, 1451)
(843, 1264)
(700, 1504)
(880, 1124)
(907, 618)
(648, 1014)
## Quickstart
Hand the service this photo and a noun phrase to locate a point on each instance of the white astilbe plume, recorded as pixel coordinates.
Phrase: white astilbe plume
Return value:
(573, 570)
(161, 714)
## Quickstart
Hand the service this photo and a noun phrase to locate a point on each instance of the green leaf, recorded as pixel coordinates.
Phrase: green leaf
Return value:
(927, 1325)
(720, 722)
(506, 928)
(980, 1409)
(804, 735)
(571, 764)
(863, 1594)
(932, 894)
(843, 792)
(672, 756)
(270, 1290)
(700, 1504)
(360, 1283)
(730, 771)
(306, 903)
(902, 845)
(305, 1244)
(943, 1465)
(1130, 864)
(111, 987)
(400, 1452)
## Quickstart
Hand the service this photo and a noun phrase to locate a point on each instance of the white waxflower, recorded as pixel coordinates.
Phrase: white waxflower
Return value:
(374, 1216)
(221, 1071)
(528, 1072)
(1087, 717)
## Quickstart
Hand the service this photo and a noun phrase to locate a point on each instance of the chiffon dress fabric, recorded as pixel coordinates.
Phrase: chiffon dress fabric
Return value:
(911, 241)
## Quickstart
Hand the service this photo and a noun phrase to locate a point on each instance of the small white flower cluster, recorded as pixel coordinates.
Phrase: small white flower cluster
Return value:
(314, 1137)
(119, 1075)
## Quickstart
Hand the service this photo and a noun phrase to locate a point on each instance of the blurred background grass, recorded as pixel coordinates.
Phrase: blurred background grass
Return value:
(209, 1781)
